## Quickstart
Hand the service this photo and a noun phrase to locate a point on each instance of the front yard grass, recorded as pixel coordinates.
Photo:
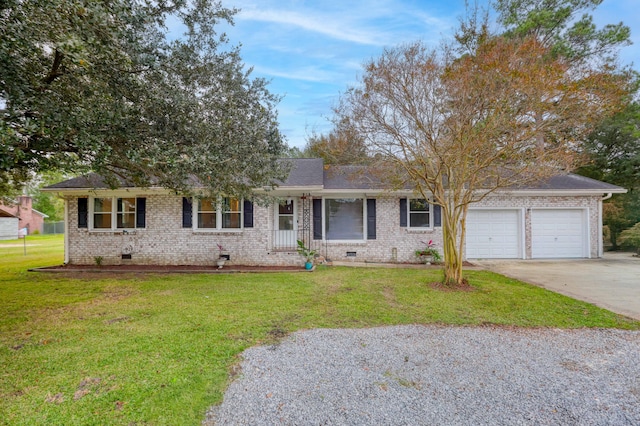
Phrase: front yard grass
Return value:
(158, 349)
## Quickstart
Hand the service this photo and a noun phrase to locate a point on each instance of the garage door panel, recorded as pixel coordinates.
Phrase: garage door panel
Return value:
(558, 233)
(493, 234)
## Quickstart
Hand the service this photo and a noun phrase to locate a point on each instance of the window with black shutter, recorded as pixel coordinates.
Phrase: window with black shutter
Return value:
(248, 214)
(141, 212)
(403, 212)
(317, 219)
(371, 219)
(83, 212)
(437, 215)
(187, 212)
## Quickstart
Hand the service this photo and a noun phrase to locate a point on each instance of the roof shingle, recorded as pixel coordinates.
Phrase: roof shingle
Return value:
(311, 172)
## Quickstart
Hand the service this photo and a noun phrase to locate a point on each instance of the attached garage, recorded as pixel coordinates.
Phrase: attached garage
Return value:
(559, 233)
(494, 234)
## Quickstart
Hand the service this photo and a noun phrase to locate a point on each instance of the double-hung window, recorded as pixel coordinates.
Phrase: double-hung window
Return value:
(231, 213)
(225, 213)
(419, 212)
(102, 213)
(207, 213)
(117, 212)
(126, 213)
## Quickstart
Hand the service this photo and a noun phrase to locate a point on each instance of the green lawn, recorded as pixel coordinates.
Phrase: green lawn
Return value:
(158, 349)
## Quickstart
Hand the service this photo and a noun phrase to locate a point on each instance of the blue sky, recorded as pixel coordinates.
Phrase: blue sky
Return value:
(311, 51)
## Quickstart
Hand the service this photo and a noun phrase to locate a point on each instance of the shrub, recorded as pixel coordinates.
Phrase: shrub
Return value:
(631, 237)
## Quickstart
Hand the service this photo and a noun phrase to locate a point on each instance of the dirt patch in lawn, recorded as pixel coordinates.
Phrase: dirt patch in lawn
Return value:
(464, 286)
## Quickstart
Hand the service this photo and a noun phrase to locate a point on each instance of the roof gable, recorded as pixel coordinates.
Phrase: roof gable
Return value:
(4, 213)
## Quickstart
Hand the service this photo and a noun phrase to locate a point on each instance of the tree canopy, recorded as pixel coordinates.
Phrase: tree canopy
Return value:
(104, 86)
(340, 146)
(613, 150)
(564, 26)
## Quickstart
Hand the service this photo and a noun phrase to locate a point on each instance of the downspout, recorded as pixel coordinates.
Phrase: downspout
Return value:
(66, 230)
(600, 240)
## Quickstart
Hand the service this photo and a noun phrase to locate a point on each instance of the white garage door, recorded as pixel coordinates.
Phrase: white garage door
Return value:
(558, 233)
(493, 234)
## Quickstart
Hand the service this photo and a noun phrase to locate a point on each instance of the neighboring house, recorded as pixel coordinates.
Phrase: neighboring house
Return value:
(339, 210)
(30, 219)
(8, 226)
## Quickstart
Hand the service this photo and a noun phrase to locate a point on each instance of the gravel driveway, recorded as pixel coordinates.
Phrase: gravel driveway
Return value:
(436, 375)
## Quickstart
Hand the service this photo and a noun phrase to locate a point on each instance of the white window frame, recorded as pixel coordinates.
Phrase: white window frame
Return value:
(219, 203)
(325, 218)
(429, 212)
(114, 213)
(197, 203)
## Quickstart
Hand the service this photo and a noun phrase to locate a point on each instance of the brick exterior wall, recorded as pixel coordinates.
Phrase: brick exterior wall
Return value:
(165, 242)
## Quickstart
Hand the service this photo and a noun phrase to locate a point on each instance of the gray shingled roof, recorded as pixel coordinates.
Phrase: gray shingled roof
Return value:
(305, 172)
(89, 181)
(311, 172)
(350, 177)
(573, 182)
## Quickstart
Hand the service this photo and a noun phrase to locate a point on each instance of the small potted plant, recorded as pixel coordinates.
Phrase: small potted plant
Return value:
(429, 253)
(307, 253)
(222, 258)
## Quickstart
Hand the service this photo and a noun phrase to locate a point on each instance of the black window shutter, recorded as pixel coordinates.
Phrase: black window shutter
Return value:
(248, 214)
(371, 219)
(141, 212)
(187, 210)
(317, 219)
(403, 212)
(437, 215)
(83, 212)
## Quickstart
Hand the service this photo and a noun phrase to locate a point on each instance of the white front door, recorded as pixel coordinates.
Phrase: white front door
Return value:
(286, 226)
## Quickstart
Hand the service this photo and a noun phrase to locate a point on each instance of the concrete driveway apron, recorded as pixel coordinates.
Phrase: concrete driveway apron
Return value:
(612, 282)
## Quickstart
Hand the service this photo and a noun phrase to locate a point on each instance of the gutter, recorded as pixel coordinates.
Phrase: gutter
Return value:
(600, 225)
(66, 231)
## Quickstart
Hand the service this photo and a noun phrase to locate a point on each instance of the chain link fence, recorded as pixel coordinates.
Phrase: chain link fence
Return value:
(53, 228)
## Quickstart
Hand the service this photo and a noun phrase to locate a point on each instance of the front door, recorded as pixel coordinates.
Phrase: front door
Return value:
(286, 225)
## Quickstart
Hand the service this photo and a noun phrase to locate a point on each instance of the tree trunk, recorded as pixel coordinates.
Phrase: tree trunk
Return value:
(539, 134)
(452, 254)
(613, 237)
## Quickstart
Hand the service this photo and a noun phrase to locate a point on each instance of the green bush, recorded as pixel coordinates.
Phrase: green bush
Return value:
(631, 237)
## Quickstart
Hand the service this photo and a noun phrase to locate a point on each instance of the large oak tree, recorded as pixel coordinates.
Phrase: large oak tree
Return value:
(105, 86)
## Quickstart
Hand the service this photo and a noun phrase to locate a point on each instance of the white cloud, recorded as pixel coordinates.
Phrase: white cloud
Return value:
(328, 26)
(310, 74)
